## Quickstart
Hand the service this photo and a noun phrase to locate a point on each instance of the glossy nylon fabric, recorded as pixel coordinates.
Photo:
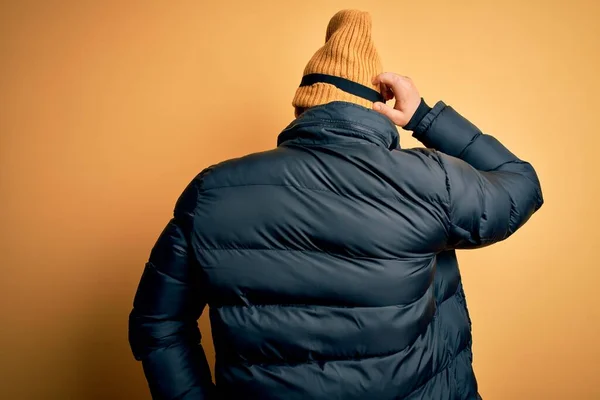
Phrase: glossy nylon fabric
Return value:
(329, 262)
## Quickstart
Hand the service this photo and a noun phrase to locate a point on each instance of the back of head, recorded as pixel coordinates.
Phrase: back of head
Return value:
(348, 57)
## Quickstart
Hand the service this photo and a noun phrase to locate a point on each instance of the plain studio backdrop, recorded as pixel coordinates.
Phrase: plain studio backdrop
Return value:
(109, 108)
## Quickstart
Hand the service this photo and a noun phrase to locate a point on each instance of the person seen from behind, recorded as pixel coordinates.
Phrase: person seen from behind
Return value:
(329, 262)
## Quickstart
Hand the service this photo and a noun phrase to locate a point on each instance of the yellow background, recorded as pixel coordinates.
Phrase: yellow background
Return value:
(109, 108)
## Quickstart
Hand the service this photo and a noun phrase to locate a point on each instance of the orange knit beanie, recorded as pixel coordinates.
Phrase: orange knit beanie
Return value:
(342, 70)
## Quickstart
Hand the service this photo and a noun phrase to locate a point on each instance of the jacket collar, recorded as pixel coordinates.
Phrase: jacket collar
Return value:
(339, 122)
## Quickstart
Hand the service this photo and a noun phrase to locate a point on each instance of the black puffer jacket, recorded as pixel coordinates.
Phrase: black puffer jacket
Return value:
(328, 263)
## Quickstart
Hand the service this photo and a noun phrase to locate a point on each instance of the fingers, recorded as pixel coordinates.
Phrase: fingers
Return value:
(403, 90)
(386, 92)
(390, 79)
(398, 86)
(396, 116)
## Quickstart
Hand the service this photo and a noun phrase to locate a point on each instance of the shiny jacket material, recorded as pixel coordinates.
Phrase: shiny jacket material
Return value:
(328, 264)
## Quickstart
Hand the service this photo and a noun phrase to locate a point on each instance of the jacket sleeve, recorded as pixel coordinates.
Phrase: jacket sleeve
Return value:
(490, 192)
(163, 327)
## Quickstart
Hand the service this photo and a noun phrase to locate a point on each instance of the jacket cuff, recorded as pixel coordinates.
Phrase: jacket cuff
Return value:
(421, 131)
(418, 116)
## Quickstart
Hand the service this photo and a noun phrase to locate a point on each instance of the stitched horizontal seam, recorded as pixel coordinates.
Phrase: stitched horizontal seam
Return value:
(299, 187)
(337, 122)
(322, 361)
(379, 355)
(330, 143)
(396, 198)
(496, 170)
(466, 148)
(312, 306)
(153, 266)
(316, 251)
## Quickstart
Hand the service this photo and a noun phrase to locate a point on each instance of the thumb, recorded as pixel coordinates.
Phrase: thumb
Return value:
(393, 114)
